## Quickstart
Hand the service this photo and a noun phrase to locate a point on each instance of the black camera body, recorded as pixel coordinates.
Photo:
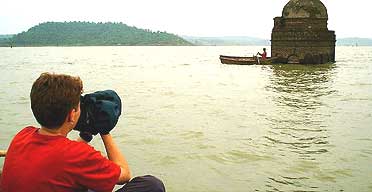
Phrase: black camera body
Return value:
(100, 112)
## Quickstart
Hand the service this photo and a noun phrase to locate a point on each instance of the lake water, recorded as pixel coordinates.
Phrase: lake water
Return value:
(203, 126)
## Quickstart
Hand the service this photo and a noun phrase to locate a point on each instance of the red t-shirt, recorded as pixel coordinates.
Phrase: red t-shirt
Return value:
(36, 162)
(264, 55)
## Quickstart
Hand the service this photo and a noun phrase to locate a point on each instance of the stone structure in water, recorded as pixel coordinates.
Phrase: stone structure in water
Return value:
(301, 34)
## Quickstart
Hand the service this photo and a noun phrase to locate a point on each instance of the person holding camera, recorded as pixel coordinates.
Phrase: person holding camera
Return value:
(44, 159)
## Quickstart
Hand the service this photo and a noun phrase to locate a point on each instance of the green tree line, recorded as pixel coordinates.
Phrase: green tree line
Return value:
(90, 34)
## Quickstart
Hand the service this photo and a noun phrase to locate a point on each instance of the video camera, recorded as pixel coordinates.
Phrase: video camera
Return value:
(100, 111)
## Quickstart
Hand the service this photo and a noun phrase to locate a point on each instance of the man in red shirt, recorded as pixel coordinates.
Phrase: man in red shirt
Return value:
(44, 159)
(263, 55)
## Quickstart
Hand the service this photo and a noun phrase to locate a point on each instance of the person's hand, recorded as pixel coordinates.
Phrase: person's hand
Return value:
(2, 153)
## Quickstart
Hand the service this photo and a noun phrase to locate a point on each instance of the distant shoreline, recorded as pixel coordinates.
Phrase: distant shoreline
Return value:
(1, 46)
(87, 34)
(103, 46)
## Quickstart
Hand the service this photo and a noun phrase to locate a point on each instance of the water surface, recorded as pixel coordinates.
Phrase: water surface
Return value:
(203, 126)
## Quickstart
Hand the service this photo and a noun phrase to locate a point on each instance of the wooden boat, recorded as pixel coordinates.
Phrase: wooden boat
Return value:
(234, 60)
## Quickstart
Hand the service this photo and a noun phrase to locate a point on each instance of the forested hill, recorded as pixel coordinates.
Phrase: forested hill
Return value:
(92, 34)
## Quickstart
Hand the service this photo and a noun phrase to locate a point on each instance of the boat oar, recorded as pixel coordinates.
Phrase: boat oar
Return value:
(2, 153)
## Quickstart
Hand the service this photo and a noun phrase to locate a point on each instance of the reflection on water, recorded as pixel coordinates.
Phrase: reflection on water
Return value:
(297, 129)
(301, 86)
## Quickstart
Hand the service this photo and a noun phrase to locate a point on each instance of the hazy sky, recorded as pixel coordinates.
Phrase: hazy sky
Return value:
(349, 18)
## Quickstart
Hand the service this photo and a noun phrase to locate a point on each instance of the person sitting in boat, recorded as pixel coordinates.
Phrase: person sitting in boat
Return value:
(44, 159)
(263, 54)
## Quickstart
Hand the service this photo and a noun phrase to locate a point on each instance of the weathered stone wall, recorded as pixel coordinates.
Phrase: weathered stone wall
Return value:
(305, 9)
(302, 40)
(299, 24)
(314, 36)
(304, 55)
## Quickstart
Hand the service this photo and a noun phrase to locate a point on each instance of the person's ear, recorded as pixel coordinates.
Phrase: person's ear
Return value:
(71, 116)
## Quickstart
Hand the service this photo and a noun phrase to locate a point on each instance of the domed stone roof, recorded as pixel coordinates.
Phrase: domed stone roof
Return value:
(305, 9)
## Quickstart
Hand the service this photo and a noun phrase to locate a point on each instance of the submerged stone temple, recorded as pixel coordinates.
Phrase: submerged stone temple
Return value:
(301, 34)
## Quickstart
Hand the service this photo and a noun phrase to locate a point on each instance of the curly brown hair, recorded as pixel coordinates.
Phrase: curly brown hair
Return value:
(53, 96)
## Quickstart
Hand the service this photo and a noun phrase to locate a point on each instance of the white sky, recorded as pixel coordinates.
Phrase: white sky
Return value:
(183, 17)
